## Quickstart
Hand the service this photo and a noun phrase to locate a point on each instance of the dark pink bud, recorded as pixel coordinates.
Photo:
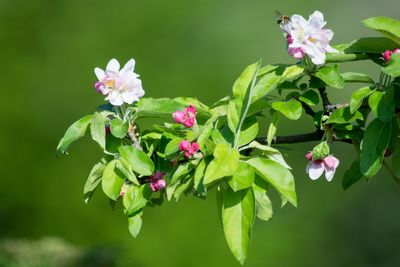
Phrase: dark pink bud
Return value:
(97, 86)
(189, 122)
(191, 110)
(158, 175)
(386, 55)
(309, 155)
(297, 52)
(289, 39)
(179, 116)
(195, 147)
(396, 51)
(157, 185)
(184, 146)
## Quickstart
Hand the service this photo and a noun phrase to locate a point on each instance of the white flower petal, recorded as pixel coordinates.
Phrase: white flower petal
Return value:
(329, 173)
(316, 20)
(115, 98)
(113, 65)
(129, 66)
(298, 21)
(315, 169)
(100, 74)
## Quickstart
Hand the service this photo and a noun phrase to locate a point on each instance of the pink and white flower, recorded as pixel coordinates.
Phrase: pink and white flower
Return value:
(157, 182)
(188, 148)
(119, 85)
(186, 117)
(308, 37)
(315, 168)
(388, 54)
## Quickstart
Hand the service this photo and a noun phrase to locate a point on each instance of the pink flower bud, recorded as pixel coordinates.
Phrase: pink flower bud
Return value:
(289, 39)
(189, 122)
(297, 52)
(191, 110)
(309, 155)
(184, 146)
(195, 147)
(396, 51)
(157, 182)
(331, 162)
(179, 116)
(386, 55)
(98, 85)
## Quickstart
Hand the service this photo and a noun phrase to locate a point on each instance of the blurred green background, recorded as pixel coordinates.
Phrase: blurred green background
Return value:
(194, 48)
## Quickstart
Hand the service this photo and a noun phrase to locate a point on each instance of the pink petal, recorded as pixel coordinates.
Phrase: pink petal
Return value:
(195, 147)
(331, 162)
(189, 122)
(191, 109)
(184, 146)
(179, 116)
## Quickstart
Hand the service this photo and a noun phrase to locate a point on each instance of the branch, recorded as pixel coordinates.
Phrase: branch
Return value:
(324, 96)
(300, 138)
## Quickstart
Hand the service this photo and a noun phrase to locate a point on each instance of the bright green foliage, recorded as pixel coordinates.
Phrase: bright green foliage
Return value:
(145, 164)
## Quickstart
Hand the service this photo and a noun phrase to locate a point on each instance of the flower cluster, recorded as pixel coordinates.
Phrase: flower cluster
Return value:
(388, 54)
(308, 37)
(188, 148)
(119, 86)
(157, 182)
(186, 117)
(316, 167)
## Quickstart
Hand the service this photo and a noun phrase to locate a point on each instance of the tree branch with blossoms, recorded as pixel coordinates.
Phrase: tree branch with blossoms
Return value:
(202, 147)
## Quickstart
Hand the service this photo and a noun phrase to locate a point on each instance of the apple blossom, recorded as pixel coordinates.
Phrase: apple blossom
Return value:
(186, 117)
(188, 148)
(315, 168)
(308, 37)
(119, 85)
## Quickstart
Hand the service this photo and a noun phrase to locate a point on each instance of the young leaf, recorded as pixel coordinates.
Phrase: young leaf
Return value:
(98, 129)
(265, 85)
(135, 224)
(73, 133)
(273, 127)
(382, 103)
(374, 144)
(243, 178)
(238, 214)
(352, 175)
(199, 176)
(320, 151)
(93, 180)
(244, 80)
(358, 96)
(119, 128)
(271, 153)
(263, 203)
(181, 171)
(331, 76)
(387, 26)
(136, 198)
(111, 182)
(291, 109)
(225, 163)
(249, 131)
(278, 176)
(310, 97)
(343, 115)
(355, 77)
(137, 159)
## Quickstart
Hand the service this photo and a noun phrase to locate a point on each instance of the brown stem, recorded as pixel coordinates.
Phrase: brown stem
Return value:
(325, 100)
(300, 138)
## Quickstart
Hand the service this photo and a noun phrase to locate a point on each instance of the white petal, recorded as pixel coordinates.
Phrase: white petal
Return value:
(115, 98)
(316, 54)
(298, 21)
(129, 97)
(113, 65)
(330, 49)
(315, 170)
(129, 66)
(316, 20)
(329, 173)
(99, 73)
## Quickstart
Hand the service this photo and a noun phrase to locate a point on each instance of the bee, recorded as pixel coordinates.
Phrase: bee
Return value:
(282, 20)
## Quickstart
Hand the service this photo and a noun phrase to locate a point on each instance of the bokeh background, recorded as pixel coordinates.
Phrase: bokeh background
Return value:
(196, 48)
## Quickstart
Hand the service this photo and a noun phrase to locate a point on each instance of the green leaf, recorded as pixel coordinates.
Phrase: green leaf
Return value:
(396, 155)
(310, 97)
(271, 153)
(273, 127)
(233, 114)
(291, 109)
(136, 198)
(173, 146)
(387, 26)
(183, 187)
(331, 76)
(358, 96)
(155, 107)
(371, 45)
(244, 80)
(135, 224)
(343, 115)
(352, 175)
(206, 132)
(355, 77)
(181, 171)
(320, 151)
(278, 176)
(292, 72)
(238, 214)
(249, 131)
(263, 203)
(137, 159)
(382, 104)
(112, 182)
(224, 164)
(119, 128)
(93, 180)
(73, 133)
(374, 144)
(199, 176)
(265, 85)
(243, 178)
(123, 169)
(393, 66)
(98, 129)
